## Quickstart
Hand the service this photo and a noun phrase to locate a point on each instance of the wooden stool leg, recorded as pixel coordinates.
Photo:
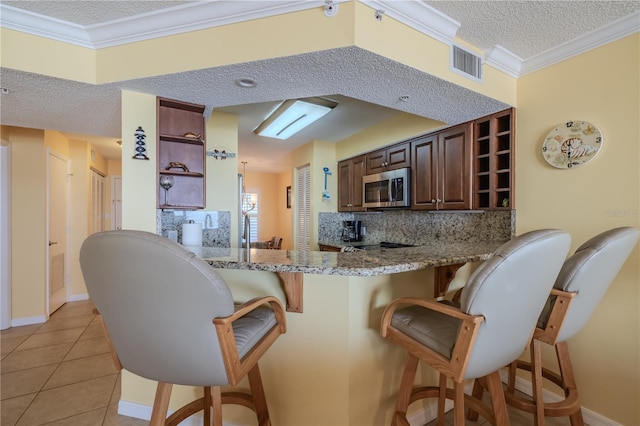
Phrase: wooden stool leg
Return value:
(442, 397)
(536, 382)
(216, 405)
(458, 404)
(494, 384)
(406, 387)
(207, 405)
(161, 404)
(511, 384)
(476, 393)
(259, 399)
(569, 380)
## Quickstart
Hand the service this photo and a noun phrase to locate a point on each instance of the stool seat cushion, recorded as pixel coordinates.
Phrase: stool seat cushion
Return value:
(433, 329)
(252, 327)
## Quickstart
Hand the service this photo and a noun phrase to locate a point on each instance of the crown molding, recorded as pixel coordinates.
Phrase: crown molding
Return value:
(43, 26)
(503, 60)
(175, 20)
(418, 16)
(208, 14)
(593, 39)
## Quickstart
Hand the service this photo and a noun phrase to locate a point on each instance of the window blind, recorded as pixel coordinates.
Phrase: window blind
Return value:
(253, 215)
(303, 208)
(97, 202)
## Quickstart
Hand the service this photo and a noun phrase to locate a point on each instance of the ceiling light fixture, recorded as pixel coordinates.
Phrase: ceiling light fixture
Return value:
(293, 115)
(246, 83)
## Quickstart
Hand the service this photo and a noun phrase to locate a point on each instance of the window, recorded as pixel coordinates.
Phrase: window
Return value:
(252, 213)
(97, 202)
(303, 208)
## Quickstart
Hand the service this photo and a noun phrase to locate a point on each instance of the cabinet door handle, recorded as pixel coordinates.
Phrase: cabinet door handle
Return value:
(52, 243)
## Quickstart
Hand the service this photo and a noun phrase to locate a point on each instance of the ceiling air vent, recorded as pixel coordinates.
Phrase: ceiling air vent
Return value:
(466, 63)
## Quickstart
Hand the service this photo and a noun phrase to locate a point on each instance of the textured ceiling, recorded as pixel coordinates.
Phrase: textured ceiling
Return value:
(367, 86)
(528, 28)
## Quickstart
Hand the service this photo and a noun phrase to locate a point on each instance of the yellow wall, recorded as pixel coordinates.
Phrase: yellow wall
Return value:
(28, 223)
(317, 154)
(222, 175)
(138, 176)
(395, 129)
(602, 194)
(29, 185)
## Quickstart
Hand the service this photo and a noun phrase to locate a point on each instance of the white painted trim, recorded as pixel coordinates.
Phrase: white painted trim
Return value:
(5, 237)
(179, 19)
(590, 417)
(18, 322)
(418, 16)
(78, 297)
(141, 411)
(599, 37)
(503, 60)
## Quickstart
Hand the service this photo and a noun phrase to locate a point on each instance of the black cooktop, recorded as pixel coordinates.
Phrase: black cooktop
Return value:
(381, 245)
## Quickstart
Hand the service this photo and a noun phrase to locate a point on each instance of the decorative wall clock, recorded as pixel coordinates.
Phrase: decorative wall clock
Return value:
(572, 144)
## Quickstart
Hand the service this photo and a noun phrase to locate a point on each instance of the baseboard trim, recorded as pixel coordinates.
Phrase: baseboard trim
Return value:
(79, 297)
(17, 322)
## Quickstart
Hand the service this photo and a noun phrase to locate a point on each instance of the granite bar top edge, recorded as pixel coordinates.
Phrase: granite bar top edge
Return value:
(359, 263)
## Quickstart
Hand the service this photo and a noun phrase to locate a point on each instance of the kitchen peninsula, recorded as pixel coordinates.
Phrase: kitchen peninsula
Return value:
(332, 353)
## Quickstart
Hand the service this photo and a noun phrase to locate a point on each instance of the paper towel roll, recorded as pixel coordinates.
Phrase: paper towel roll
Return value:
(192, 234)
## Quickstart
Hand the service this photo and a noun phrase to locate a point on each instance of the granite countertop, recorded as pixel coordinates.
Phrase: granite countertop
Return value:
(357, 263)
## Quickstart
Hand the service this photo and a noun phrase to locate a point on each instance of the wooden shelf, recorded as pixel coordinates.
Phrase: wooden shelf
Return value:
(180, 173)
(181, 139)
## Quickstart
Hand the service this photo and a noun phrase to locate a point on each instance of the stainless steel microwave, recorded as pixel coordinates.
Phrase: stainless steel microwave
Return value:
(387, 189)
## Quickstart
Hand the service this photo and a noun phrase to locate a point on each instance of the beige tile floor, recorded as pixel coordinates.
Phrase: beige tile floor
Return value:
(61, 374)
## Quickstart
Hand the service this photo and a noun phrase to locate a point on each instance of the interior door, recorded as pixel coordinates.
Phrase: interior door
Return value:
(57, 231)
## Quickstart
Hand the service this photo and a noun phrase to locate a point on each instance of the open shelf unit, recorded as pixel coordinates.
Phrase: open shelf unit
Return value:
(181, 140)
(494, 140)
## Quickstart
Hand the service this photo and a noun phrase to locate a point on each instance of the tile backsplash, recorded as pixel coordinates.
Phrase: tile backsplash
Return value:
(216, 225)
(416, 228)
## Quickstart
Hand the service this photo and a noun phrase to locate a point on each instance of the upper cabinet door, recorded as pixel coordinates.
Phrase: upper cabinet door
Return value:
(424, 177)
(454, 168)
(440, 169)
(350, 174)
(393, 157)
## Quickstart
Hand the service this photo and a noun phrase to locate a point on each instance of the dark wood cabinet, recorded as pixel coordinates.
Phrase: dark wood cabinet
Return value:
(181, 154)
(323, 247)
(350, 174)
(493, 182)
(390, 158)
(440, 170)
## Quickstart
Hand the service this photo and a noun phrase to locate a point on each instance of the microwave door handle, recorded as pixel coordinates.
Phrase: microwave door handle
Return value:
(394, 190)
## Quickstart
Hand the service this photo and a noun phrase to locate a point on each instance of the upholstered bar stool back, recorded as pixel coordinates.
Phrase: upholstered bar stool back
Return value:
(582, 282)
(499, 307)
(171, 318)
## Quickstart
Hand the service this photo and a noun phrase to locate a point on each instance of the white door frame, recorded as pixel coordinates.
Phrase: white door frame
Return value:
(115, 211)
(50, 152)
(5, 237)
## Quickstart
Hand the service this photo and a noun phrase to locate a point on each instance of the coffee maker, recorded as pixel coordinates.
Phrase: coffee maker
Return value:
(351, 230)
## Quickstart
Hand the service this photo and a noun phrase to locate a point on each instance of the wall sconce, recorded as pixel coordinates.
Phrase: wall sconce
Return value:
(141, 147)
